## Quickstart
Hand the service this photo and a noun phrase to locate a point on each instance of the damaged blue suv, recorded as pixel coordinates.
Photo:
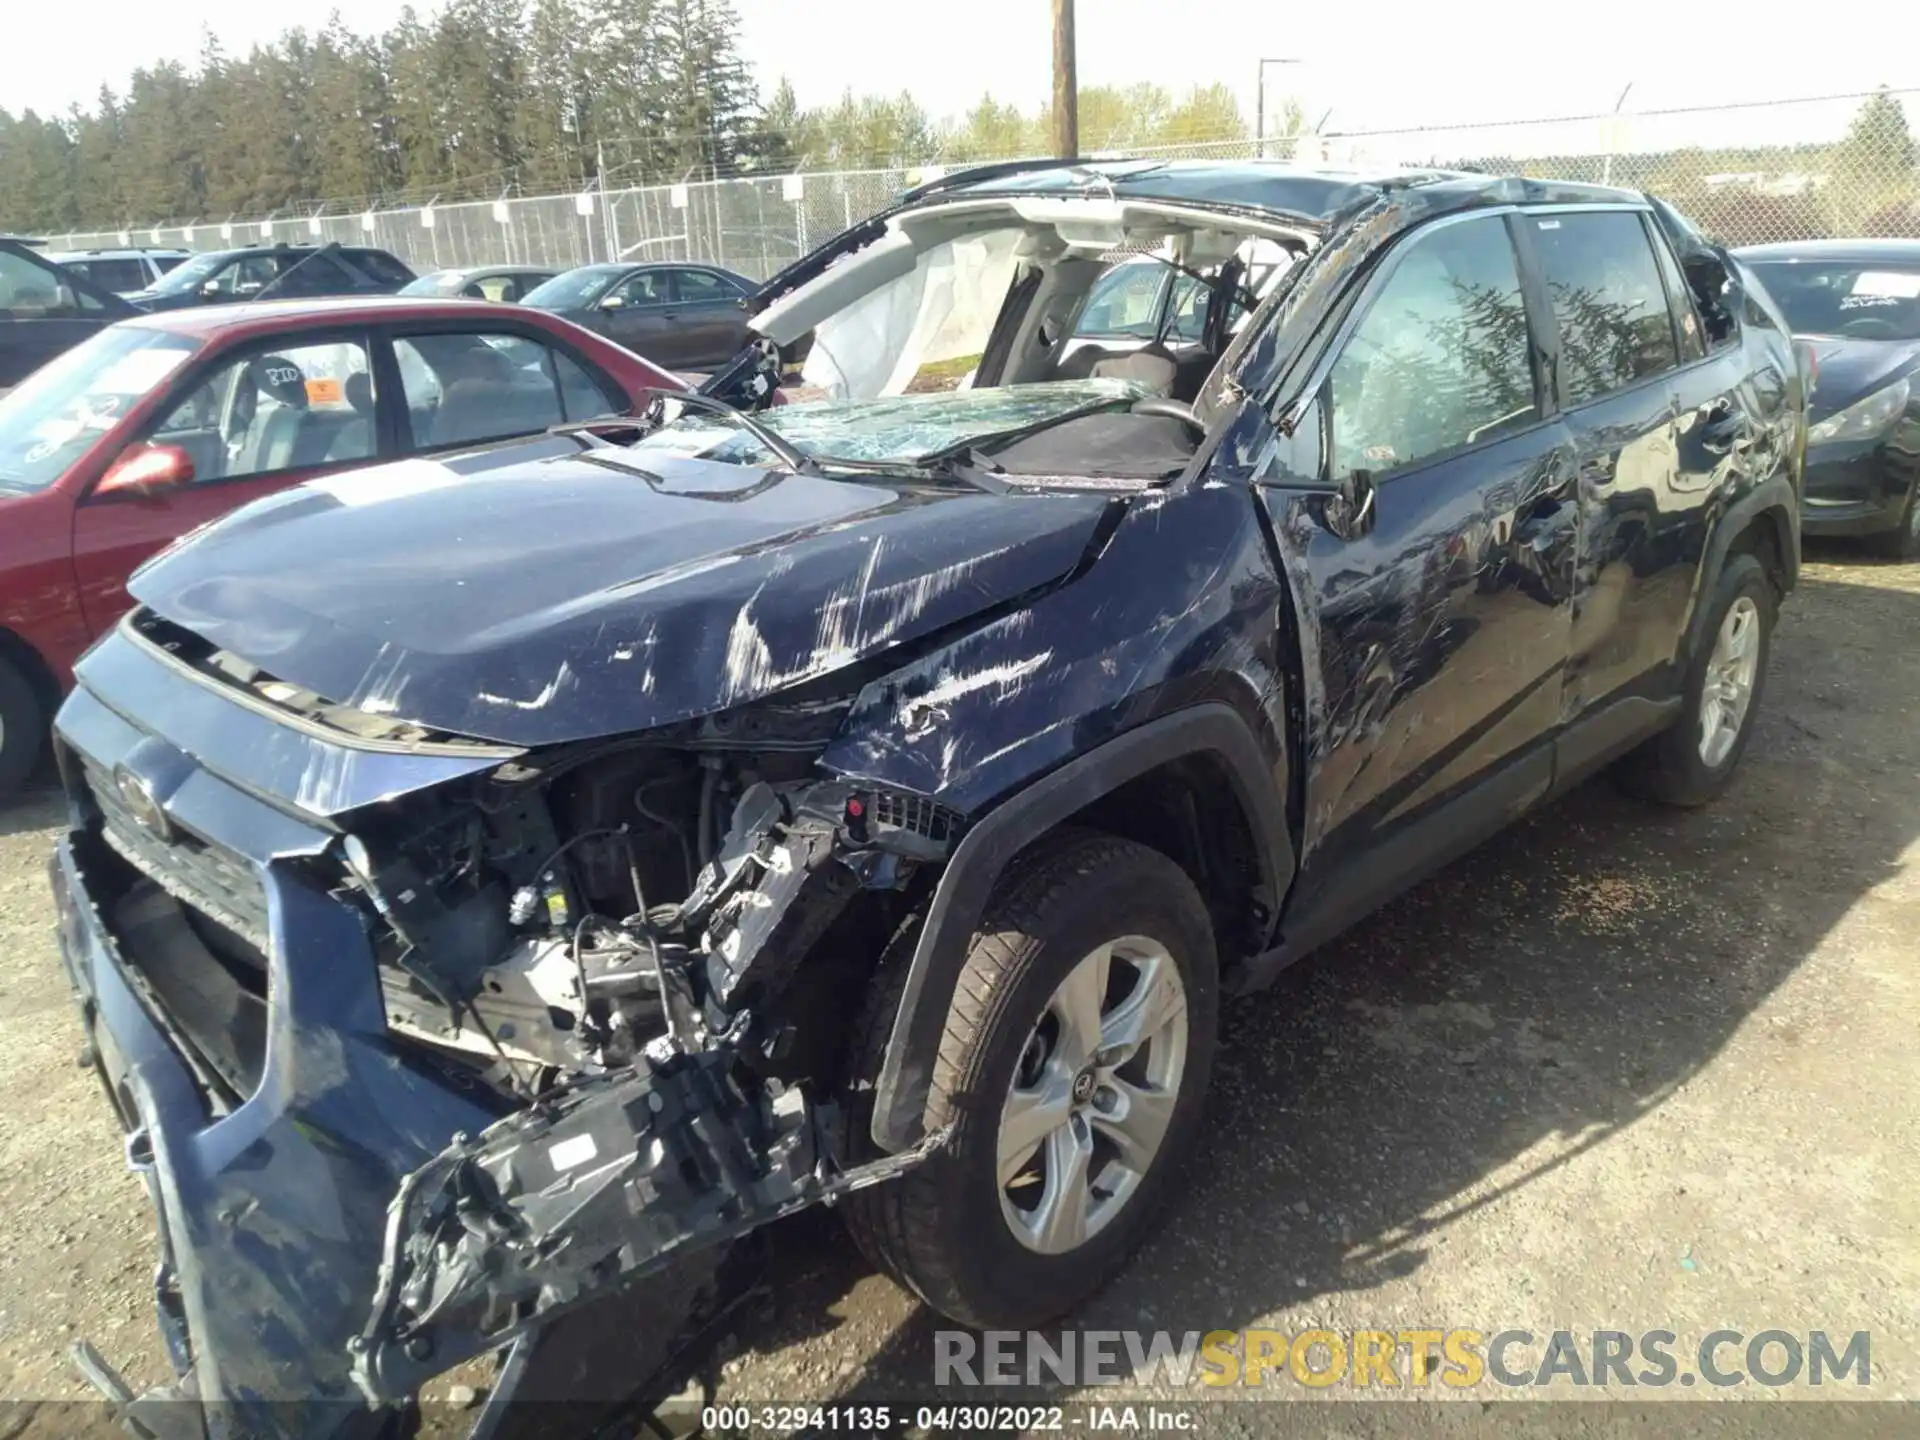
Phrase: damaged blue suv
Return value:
(500, 882)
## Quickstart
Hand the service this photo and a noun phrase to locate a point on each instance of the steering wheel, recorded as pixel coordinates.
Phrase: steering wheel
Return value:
(1170, 410)
(1870, 329)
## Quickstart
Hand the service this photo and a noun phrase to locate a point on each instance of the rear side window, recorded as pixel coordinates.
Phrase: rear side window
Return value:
(315, 275)
(702, 287)
(1439, 361)
(465, 388)
(118, 274)
(1615, 328)
(381, 266)
(1686, 320)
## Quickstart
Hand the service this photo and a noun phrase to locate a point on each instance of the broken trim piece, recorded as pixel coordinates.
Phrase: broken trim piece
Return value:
(557, 1205)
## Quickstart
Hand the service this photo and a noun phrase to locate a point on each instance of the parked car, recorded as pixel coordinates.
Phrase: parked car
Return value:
(45, 309)
(121, 271)
(160, 424)
(276, 272)
(676, 315)
(509, 283)
(1857, 303)
(873, 799)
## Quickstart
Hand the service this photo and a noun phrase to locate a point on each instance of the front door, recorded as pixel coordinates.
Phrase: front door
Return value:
(253, 421)
(642, 320)
(1443, 612)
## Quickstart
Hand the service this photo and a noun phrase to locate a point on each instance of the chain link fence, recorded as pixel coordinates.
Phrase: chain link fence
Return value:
(1783, 170)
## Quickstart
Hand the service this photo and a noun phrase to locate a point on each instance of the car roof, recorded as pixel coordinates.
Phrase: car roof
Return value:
(211, 321)
(1863, 249)
(1313, 195)
(122, 252)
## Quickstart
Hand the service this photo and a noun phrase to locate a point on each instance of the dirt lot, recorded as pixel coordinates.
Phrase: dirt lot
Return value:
(1619, 1068)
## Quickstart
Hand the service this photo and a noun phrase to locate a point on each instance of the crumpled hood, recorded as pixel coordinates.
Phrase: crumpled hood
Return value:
(533, 594)
(1851, 370)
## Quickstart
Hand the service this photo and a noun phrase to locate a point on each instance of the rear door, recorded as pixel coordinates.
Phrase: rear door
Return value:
(45, 311)
(1443, 599)
(1642, 520)
(709, 325)
(255, 419)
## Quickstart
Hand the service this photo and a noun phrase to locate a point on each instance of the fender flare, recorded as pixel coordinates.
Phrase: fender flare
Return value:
(960, 899)
(1775, 501)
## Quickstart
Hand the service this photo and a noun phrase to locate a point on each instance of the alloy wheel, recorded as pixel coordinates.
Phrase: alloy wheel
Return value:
(1727, 691)
(1092, 1095)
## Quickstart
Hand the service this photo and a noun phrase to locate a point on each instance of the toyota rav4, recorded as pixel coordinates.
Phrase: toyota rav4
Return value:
(499, 883)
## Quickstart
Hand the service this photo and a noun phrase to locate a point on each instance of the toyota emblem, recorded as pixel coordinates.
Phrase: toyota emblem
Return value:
(139, 801)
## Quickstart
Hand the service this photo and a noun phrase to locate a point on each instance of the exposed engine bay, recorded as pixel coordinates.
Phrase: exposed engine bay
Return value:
(606, 942)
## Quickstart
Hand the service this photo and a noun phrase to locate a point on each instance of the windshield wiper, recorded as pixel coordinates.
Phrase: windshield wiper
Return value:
(783, 450)
(960, 463)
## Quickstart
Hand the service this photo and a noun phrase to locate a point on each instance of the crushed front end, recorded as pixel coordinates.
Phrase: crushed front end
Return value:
(427, 1047)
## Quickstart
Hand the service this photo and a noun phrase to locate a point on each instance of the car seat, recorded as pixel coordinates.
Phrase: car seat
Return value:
(278, 388)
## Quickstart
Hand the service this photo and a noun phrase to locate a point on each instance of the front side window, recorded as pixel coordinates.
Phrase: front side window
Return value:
(1439, 361)
(465, 388)
(1608, 299)
(293, 407)
(647, 288)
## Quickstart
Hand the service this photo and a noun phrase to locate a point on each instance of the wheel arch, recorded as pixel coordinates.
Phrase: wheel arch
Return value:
(1764, 523)
(1210, 744)
(16, 651)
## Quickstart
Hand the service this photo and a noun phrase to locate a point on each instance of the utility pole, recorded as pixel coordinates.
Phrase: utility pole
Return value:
(1066, 84)
(1260, 105)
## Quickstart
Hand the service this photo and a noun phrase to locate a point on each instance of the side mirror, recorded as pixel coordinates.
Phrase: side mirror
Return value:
(212, 287)
(1347, 509)
(613, 302)
(147, 470)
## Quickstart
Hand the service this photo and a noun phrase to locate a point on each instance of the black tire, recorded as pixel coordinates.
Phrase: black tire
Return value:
(23, 725)
(1903, 541)
(1670, 769)
(940, 1229)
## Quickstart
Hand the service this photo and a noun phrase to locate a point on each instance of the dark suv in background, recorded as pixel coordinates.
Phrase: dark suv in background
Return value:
(276, 272)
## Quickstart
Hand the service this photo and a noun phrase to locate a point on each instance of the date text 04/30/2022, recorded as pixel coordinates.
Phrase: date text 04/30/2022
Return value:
(934, 1419)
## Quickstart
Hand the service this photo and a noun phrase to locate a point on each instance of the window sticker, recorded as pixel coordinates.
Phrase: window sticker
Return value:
(1888, 284)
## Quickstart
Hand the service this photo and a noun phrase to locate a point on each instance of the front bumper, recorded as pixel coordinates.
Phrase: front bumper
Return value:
(1856, 489)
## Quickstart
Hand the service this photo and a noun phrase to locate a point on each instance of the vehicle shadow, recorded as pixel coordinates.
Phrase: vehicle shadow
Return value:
(37, 805)
(1536, 998)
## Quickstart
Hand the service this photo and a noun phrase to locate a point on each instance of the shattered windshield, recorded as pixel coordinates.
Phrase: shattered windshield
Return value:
(900, 429)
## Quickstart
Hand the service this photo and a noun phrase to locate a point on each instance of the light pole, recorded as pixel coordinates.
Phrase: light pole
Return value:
(1260, 103)
(1613, 139)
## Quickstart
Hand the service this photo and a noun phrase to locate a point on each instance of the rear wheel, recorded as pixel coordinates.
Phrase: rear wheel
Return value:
(22, 727)
(1073, 1071)
(1692, 762)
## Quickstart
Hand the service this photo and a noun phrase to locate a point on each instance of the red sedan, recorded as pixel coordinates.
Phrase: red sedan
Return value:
(163, 423)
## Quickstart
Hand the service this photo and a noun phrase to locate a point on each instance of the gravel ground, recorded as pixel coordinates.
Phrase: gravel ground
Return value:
(1620, 1068)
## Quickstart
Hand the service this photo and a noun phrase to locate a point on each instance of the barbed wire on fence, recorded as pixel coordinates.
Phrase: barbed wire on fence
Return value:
(1758, 179)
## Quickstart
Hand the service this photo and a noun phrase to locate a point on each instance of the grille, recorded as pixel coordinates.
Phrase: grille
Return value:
(914, 813)
(211, 879)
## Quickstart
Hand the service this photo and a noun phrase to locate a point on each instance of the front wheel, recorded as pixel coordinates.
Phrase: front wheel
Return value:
(1073, 1072)
(1692, 762)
